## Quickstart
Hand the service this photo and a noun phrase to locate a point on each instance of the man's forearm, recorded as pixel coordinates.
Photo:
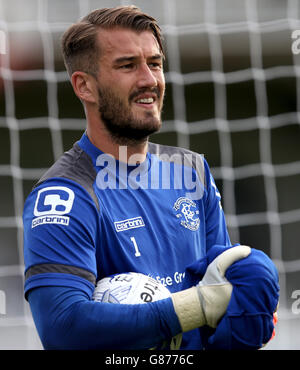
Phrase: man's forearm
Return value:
(67, 319)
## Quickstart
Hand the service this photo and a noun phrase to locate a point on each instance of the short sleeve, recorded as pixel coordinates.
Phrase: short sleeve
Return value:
(60, 236)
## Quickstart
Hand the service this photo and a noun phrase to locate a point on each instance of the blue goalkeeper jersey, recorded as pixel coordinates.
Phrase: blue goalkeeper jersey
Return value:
(91, 216)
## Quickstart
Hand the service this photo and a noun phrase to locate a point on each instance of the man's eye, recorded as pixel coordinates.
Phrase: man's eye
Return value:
(155, 65)
(127, 66)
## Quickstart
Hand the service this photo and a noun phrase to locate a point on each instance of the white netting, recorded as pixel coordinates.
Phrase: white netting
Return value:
(233, 94)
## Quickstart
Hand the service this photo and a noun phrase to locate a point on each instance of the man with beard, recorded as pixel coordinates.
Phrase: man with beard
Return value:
(117, 203)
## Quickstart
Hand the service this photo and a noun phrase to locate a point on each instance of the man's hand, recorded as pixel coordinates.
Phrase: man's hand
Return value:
(206, 303)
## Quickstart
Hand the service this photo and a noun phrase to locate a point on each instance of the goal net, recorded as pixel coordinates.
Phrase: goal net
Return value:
(232, 94)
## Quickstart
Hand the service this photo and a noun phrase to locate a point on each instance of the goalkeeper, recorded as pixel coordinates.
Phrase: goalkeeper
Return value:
(117, 203)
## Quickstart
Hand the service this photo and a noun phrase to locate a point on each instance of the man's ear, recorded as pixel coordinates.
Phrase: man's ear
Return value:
(84, 87)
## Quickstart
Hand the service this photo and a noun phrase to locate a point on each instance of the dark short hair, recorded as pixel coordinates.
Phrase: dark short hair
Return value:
(79, 42)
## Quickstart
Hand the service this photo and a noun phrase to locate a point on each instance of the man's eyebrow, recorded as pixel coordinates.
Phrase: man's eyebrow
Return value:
(125, 59)
(135, 58)
(156, 57)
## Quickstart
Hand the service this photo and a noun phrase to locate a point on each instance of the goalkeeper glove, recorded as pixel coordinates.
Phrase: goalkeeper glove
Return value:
(206, 303)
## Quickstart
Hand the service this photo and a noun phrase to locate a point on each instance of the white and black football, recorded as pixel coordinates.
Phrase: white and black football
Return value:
(129, 288)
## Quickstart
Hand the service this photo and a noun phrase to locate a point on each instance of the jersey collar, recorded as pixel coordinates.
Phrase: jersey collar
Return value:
(86, 145)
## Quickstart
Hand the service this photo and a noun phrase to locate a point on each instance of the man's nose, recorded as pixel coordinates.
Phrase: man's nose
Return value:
(146, 77)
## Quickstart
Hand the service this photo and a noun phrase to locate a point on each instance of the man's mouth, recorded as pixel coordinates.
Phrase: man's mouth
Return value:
(145, 101)
(145, 98)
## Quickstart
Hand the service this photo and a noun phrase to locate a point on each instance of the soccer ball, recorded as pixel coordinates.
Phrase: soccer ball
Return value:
(133, 288)
(129, 288)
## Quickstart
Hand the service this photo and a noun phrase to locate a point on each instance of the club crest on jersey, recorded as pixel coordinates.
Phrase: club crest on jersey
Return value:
(187, 213)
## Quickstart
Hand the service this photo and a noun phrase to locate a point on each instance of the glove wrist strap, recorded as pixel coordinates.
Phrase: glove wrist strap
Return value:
(188, 309)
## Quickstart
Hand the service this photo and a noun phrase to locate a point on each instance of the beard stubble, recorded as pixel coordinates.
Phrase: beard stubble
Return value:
(120, 122)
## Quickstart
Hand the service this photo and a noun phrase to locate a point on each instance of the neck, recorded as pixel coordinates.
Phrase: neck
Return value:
(131, 152)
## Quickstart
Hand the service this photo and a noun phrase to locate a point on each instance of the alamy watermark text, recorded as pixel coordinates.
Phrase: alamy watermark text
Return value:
(2, 303)
(296, 303)
(2, 42)
(296, 44)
